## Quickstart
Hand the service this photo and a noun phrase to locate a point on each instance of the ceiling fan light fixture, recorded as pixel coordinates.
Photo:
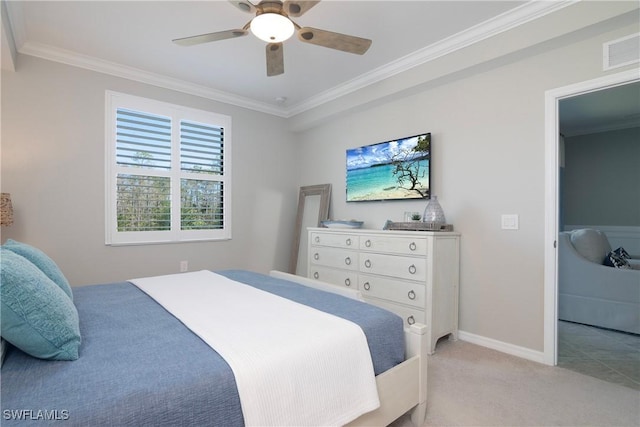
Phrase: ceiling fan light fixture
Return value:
(272, 27)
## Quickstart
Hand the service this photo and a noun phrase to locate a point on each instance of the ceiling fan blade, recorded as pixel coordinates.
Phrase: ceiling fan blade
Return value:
(211, 37)
(244, 5)
(343, 42)
(297, 8)
(275, 59)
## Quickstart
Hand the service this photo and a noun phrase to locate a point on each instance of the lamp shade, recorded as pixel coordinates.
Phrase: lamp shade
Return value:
(6, 209)
(272, 27)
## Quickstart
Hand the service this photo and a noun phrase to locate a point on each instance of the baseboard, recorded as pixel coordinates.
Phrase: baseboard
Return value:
(514, 350)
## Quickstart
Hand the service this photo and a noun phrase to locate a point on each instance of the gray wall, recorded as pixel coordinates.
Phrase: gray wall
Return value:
(483, 104)
(602, 179)
(53, 138)
(487, 126)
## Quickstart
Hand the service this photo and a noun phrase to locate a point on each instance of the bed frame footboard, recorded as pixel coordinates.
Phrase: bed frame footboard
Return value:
(402, 388)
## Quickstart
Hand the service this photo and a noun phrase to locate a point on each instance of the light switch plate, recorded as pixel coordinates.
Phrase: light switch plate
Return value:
(510, 222)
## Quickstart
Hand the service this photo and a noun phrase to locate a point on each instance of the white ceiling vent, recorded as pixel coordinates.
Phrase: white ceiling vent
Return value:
(621, 52)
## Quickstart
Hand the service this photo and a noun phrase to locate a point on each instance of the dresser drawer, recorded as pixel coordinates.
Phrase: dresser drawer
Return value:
(330, 257)
(394, 245)
(345, 278)
(410, 293)
(394, 266)
(412, 274)
(345, 241)
(408, 314)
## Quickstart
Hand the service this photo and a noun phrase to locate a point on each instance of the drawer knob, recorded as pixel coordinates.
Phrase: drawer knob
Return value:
(317, 239)
(367, 264)
(316, 275)
(347, 282)
(411, 295)
(367, 286)
(412, 269)
(348, 242)
(411, 320)
(368, 243)
(316, 256)
(412, 246)
(347, 260)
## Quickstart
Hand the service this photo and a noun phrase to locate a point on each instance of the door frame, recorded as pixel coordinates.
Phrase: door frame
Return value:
(551, 220)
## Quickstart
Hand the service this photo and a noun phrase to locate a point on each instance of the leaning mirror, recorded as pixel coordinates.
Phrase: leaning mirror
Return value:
(313, 207)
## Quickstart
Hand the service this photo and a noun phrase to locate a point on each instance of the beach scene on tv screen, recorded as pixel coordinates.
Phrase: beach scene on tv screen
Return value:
(391, 170)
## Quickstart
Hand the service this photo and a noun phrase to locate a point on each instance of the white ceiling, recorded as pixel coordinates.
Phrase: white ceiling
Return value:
(603, 110)
(134, 39)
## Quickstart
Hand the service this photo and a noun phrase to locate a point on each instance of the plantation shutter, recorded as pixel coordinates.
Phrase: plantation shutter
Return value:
(201, 152)
(168, 172)
(143, 139)
(201, 148)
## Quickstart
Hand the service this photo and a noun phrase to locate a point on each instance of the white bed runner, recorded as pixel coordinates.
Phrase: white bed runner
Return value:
(293, 365)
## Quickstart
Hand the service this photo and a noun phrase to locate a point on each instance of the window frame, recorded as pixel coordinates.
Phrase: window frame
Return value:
(177, 113)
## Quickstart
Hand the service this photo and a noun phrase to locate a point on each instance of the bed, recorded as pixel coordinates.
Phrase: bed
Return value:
(139, 365)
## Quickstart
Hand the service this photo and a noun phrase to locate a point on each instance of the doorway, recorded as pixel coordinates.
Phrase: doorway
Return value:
(552, 164)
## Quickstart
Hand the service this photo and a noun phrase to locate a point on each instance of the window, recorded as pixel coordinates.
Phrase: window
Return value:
(168, 172)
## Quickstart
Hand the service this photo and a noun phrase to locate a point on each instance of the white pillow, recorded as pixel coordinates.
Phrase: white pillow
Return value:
(591, 244)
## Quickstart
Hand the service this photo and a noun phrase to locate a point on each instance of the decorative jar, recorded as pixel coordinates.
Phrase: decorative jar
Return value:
(433, 213)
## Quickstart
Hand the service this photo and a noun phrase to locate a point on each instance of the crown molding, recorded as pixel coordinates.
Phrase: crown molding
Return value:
(527, 12)
(115, 69)
(506, 21)
(628, 122)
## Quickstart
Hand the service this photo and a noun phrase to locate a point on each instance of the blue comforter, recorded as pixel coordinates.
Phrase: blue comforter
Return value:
(141, 366)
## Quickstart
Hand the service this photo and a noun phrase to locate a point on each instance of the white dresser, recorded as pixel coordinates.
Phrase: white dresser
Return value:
(414, 274)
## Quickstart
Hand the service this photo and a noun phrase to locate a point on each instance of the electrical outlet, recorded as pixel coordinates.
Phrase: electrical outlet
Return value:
(184, 266)
(510, 222)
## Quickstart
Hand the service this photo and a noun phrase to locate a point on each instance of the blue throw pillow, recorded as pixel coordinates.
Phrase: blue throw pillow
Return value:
(37, 316)
(42, 261)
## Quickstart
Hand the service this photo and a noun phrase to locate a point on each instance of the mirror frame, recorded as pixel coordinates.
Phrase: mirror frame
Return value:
(322, 190)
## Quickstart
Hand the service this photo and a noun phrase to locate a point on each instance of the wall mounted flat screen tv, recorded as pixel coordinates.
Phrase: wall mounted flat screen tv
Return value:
(390, 170)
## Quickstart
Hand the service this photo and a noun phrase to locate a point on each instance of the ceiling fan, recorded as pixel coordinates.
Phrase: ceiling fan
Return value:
(272, 23)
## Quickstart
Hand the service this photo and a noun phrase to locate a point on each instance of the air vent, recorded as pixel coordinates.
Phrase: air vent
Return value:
(621, 52)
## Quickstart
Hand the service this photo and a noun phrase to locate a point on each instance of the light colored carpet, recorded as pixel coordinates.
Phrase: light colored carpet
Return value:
(471, 385)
